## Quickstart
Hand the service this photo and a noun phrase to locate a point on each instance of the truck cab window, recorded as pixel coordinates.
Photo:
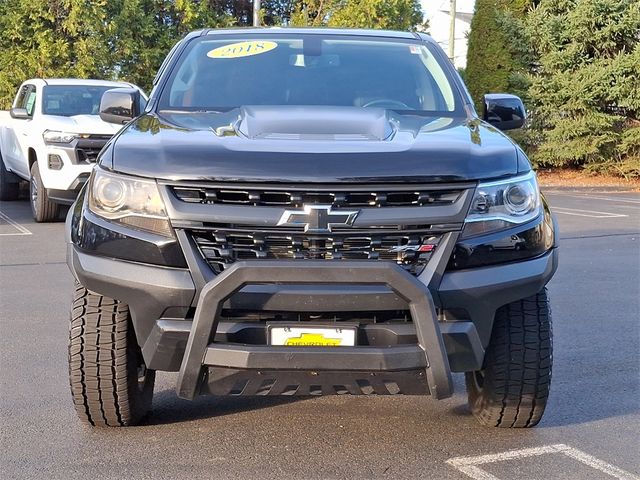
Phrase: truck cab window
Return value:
(30, 104)
(26, 98)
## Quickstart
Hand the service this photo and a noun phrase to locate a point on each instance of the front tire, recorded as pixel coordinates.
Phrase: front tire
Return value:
(110, 383)
(9, 189)
(512, 389)
(42, 208)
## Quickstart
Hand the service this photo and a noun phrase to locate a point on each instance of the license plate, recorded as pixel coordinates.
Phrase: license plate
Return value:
(312, 336)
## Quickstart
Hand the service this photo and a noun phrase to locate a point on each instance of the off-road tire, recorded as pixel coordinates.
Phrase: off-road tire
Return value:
(512, 389)
(9, 189)
(43, 209)
(109, 382)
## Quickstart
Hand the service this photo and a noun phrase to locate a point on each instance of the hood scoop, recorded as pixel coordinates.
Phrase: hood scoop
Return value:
(315, 123)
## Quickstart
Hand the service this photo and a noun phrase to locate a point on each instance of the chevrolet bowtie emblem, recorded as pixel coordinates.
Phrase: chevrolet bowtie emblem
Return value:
(318, 218)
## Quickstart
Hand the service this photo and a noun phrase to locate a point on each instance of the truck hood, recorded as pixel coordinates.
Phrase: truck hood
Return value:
(91, 124)
(311, 144)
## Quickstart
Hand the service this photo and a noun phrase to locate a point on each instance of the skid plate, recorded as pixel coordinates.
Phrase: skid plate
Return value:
(225, 381)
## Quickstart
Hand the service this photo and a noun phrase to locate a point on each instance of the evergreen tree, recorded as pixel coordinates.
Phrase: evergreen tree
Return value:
(494, 61)
(586, 85)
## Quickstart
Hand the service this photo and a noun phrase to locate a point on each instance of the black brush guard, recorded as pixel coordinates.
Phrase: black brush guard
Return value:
(209, 367)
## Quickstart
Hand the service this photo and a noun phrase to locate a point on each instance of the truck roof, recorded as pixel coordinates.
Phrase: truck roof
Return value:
(74, 81)
(318, 31)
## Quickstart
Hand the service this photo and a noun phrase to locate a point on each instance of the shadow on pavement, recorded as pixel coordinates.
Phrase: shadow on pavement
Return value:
(20, 211)
(168, 408)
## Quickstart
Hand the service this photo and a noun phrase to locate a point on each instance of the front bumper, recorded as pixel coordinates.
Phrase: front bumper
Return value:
(72, 174)
(68, 196)
(169, 305)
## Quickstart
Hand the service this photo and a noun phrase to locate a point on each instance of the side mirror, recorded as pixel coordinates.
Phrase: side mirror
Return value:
(504, 111)
(120, 105)
(19, 113)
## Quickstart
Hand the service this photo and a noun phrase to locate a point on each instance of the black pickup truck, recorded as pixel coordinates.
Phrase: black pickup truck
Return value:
(310, 212)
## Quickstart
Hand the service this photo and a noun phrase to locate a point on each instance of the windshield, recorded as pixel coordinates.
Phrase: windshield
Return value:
(225, 73)
(69, 100)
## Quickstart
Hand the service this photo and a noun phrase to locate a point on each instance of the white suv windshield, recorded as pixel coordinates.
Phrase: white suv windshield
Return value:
(224, 73)
(70, 100)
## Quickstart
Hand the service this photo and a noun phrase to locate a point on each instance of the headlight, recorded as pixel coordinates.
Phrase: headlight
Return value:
(52, 136)
(503, 204)
(131, 201)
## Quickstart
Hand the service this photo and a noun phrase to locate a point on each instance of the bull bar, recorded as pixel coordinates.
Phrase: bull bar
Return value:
(428, 357)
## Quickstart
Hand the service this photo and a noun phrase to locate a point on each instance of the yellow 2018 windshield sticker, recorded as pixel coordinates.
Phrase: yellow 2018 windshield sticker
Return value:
(242, 49)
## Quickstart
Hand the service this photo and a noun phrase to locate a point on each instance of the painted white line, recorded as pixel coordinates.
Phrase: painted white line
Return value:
(475, 472)
(510, 455)
(470, 465)
(586, 213)
(609, 199)
(22, 230)
(598, 464)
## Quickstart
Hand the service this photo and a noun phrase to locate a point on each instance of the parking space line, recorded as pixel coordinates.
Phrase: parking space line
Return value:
(609, 199)
(587, 213)
(22, 230)
(470, 465)
(598, 464)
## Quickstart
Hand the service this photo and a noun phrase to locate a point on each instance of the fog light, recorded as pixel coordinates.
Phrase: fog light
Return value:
(55, 162)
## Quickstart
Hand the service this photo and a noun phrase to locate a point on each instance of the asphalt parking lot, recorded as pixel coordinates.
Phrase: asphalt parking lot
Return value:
(590, 431)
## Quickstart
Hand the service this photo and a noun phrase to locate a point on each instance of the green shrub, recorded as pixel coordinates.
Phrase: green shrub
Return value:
(585, 87)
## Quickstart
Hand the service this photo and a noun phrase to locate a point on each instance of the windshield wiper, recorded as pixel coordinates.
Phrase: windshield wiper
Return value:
(190, 111)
